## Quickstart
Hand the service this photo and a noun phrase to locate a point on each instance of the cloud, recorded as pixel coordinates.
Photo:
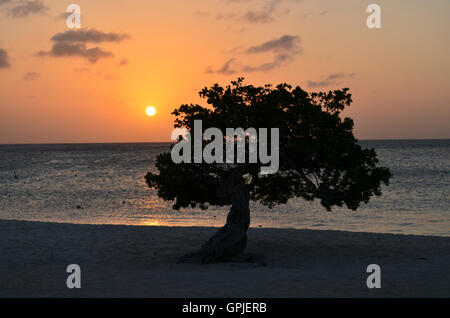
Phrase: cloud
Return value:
(332, 79)
(123, 62)
(26, 8)
(31, 76)
(340, 75)
(283, 48)
(277, 61)
(63, 15)
(265, 13)
(99, 74)
(88, 35)
(4, 2)
(65, 49)
(286, 43)
(226, 69)
(108, 76)
(4, 59)
(258, 16)
(72, 43)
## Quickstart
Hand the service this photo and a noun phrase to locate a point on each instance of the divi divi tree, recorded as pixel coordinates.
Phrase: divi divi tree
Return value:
(319, 159)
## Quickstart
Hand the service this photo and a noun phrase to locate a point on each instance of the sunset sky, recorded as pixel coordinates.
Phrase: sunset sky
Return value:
(93, 84)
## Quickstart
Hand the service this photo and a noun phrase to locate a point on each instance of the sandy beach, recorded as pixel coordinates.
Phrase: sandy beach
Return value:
(140, 261)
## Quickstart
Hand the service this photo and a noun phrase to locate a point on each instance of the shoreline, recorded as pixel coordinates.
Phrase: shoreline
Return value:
(140, 261)
(215, 227)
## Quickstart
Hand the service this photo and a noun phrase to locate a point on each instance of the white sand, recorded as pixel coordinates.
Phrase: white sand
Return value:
(139, 261)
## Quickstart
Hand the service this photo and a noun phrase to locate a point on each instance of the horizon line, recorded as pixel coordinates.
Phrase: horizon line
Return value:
(167, 142)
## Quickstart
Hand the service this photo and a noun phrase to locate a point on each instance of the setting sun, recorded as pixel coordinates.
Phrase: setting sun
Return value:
(151, 111)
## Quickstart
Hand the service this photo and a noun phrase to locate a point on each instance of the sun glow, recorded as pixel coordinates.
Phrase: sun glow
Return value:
(150, 111)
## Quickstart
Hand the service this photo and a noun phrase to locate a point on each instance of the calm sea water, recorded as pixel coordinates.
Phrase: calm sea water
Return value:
(107, 182)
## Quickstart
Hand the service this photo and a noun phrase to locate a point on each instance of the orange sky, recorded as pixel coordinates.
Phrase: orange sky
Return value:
(398, 74)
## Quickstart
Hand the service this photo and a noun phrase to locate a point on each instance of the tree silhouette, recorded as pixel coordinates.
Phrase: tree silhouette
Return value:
(319, 159)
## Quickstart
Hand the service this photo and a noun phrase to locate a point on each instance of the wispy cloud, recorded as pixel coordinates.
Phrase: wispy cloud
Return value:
(227, 68)
(278, 61)
(108, 76)
(4, 2)
(65, 49)
(72, 43)
(27, 7)
(29, 76)
(283, 48)
(96, 74)
(258, 16)
(88, 35)
(4, 59)
(332, 79)
(63, 15)
(123, 62)
(286, 43)
(260, 11)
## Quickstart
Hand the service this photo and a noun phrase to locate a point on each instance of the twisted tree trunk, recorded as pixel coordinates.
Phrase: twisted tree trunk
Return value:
(230, 241)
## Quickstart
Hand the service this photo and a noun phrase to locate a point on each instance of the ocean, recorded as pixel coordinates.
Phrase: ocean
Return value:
(104, 184)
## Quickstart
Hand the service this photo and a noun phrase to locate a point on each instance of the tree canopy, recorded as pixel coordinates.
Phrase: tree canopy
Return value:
(319, 156)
